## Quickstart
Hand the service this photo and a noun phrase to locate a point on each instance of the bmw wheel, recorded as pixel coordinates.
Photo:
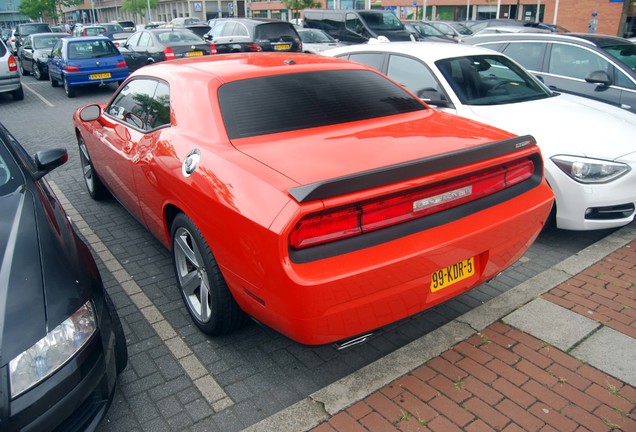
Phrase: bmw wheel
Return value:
(94, 185)
(37, 74)
(203, 288)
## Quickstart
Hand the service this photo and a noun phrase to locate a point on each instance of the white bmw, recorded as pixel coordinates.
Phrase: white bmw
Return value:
(589, 147)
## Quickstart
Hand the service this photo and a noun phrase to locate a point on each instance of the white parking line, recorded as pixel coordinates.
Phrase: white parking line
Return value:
(196, 371)
(42, 98)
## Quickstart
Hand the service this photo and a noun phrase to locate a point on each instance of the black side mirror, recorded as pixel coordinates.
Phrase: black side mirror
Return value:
(599, 77)
(47, 160)
(434, 97)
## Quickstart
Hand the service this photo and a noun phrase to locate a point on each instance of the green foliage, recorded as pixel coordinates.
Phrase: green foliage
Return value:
(36, 9)
(138, 7)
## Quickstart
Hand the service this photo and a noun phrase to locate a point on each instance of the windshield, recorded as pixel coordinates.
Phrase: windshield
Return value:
(624, 53)
(427, 30)
(34, 28)
(462, 29)
(381, 21)
(172, 36)
(315, 36)
(490, 80)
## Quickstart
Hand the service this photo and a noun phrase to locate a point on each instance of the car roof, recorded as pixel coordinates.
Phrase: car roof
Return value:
(429, 51)
(582, 38)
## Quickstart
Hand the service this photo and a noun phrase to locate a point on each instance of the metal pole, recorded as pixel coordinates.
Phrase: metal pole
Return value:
(424, 13)
(499, 7)
(556, 12)
(467, 10)
(149, 15)
(538, 10)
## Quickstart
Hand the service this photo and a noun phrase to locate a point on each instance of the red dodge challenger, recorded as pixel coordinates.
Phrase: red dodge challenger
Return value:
(313, 194)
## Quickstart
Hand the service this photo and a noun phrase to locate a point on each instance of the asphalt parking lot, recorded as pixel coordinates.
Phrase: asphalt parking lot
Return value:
(179, 379)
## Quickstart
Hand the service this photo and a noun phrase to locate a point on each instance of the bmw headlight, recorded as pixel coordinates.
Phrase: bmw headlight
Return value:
(52, 351)
(586, 170)
(43, 57)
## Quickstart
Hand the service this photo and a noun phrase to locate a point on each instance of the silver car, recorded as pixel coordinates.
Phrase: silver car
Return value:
(9, 74)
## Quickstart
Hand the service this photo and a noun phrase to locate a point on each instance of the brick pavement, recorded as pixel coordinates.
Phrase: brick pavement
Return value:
(503, 379)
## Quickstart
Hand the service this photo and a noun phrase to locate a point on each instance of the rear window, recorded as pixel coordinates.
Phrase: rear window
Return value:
(34, 28)
(283, 103)
(91, 49)
(46, 42)
(274, 31)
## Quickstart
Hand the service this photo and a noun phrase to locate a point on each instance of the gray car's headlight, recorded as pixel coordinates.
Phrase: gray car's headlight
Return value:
(43, 57)
(52, 351)
(586, 170)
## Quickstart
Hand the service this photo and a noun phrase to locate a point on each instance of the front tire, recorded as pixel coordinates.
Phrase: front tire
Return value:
(54, 82)
(202, 286)
(94, 185)
(18, 94)
(37, 74)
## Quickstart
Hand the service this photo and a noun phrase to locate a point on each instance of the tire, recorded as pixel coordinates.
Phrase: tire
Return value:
(37, 74)
(207, 296)
(70, 91)
(23, 71)
(94, 185)
(18, 94)
(121, 348)
(54, 82)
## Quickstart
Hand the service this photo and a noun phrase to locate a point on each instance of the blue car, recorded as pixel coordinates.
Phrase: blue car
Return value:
(91, 60)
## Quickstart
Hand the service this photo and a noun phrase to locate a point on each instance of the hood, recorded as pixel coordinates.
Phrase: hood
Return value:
(395, 35)
(340, 150)
(46, 274)
(565, 124)
(22, 310)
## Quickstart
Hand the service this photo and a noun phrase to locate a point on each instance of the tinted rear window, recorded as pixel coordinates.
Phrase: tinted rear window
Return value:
(283, 103)
(274, 31)
(91, 49)
(34, 28)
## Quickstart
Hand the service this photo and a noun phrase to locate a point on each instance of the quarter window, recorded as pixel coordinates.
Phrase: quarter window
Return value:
(572, 61)
(527, 54)
(413, 75)
(143, 104)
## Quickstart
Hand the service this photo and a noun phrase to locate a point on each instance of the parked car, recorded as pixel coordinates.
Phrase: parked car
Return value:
(253, 34)
(476, 26)
(160, 44)
(316, 41)
(58, 29)
(356, 26)
(23, 30)
(595, 66)
(112, 27)
(118, 37)
(423, 31)
(510, 29)
(126, 25)
(63, 344)
(86, 60)
(183, 22)
(33, 55)
(11, 44)
(593, 183)
(9, 75)
(89, 30)
(377, 200)
(453, 29)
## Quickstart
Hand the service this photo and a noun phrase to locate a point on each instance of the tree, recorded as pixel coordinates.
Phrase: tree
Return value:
(138, 7)
(41, 9)
(297, 5)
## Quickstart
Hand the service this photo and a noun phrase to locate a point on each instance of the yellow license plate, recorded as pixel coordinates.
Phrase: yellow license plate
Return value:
(194, 54)
(452, 274)
(99, 76)
(282, 47)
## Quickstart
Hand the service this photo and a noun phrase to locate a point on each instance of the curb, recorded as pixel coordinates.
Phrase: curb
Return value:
(326, 402)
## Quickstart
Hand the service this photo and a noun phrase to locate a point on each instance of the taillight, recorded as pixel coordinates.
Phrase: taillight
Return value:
(13, 66)
(254, 47)
(168, 53)
(382, 213)
(69, 68)
(213, 49)
(84, 32)
(121, 64)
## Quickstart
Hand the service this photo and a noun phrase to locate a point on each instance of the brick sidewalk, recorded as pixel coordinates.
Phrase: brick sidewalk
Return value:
(503, 379)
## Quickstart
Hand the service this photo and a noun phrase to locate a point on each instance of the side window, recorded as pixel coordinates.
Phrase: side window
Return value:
(372, 60)
(575, 62)
(229, 29)
(144, 40)
(217, 29)
(623, 80)
(527, 54)
(241, 30)
(134, 104)
(353, 23)
(160, 108)
(413, 75)
(57, 49)
(134, 40)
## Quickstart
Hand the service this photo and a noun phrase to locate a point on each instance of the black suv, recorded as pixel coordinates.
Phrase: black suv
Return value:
(247, 34)
(594, 66)
(23, 30)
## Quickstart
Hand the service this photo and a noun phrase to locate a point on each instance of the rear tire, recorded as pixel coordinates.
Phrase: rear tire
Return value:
(202, 286)
(70, 91)
(18, 94)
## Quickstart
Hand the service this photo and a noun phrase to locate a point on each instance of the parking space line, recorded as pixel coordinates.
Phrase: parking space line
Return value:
(42, 98)
(196, 371)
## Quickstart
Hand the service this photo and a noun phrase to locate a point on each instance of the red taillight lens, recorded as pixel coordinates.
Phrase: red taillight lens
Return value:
(13, 65)
(254, 47)
(213, 49)
(121, 64)
(340, 224)
(69, 68)
(167, 51)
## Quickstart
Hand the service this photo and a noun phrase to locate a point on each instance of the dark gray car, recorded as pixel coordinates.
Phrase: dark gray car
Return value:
(33, 55)
(595, 66)
(253, 35)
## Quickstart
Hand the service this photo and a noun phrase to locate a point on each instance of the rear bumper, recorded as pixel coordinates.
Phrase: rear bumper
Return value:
(346, 295)
(83, 78)
(10, 83)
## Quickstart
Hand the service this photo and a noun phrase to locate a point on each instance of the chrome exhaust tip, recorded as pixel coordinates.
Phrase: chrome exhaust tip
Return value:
(352, 342)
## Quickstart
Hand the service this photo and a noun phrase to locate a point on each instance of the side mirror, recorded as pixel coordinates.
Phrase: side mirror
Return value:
(47, 160)
(434, 97)
(90, 113)
(599, 77)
